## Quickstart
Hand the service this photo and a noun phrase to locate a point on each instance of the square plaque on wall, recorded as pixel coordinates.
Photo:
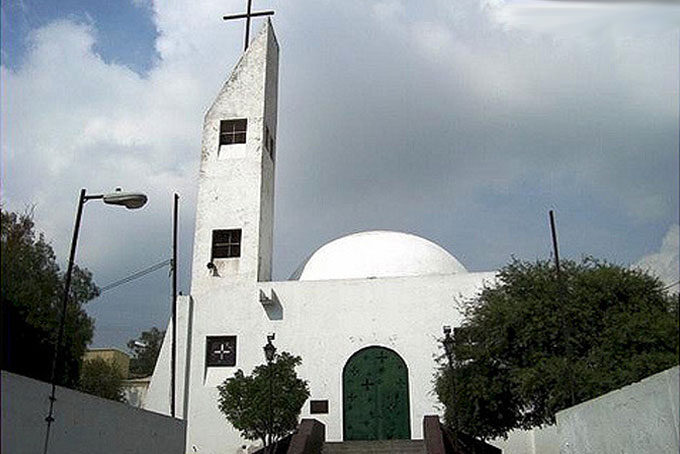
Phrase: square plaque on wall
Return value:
(220, 351)
(318, 407)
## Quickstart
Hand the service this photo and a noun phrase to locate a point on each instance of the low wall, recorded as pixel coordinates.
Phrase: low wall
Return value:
(83, 423)
(639, 418)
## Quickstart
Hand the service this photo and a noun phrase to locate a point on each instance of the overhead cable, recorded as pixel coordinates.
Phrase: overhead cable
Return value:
(136, 275)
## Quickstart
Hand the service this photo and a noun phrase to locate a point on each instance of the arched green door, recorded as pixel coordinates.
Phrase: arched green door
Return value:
(375, 396)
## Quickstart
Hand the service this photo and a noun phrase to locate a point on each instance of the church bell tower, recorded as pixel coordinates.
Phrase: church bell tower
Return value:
(235, 207)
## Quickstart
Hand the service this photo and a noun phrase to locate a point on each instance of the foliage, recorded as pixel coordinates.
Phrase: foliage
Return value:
(245, 399)
(31, 291)
(102, 378)
(145, 350)
(535, 343)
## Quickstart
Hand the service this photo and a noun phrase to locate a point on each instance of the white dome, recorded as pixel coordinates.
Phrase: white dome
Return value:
(377, 253)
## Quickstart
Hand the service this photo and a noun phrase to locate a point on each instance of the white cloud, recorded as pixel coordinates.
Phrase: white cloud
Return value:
(587, 17)
(665, 264)
(72, 120)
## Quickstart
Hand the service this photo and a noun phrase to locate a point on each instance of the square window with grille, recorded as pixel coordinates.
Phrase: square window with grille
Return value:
(233, 131)
(226, 244)
(220, 351)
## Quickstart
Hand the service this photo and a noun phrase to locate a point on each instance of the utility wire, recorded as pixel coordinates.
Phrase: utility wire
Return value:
(671, 285)
(136, 275)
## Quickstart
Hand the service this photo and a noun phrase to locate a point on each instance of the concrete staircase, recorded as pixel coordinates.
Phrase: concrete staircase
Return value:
(375, 447)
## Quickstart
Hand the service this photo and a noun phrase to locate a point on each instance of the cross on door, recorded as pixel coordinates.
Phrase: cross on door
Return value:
(367, 384)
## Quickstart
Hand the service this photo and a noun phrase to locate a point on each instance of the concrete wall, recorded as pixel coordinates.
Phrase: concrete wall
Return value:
(542, 440)
(83, 423)
(640, 418)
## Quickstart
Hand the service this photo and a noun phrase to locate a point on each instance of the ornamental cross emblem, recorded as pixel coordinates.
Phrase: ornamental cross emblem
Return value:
(223, 351)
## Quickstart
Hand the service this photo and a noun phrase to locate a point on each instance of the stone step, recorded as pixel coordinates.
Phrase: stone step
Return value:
(375, 447)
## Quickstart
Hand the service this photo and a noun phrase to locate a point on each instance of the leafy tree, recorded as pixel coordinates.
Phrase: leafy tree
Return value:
(537, 343)
(101, 378)
(145, 350)
(31, 298)
(245, 399)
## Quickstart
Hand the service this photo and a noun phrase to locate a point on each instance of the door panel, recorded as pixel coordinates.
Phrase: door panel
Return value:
(375, 396)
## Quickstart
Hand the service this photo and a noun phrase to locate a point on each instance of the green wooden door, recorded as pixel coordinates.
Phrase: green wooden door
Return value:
(375, 396)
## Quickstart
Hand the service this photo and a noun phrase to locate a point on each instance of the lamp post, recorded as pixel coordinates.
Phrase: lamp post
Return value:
(269, 354)
(131, 201)
(448, 349)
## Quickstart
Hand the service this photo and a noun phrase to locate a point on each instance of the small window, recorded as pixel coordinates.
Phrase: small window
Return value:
(220, 351)
(233, 131)
(226, 244)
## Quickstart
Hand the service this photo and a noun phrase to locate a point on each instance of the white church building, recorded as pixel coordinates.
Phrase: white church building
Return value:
(365, 311)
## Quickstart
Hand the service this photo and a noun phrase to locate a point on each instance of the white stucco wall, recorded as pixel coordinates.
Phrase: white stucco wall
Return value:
(324, 322)
(236, 182)
(157, 397)
(83, 423)
(640, 418)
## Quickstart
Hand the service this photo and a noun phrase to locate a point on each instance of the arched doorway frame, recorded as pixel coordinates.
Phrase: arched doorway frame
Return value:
(407, 386)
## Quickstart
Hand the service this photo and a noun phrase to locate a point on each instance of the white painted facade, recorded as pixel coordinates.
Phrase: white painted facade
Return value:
(384, 289)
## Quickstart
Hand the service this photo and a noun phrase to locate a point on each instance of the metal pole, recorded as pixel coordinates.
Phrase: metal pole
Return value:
(453, 396)
(271, 418)
(174, 306)
(554, 240)
(250, 2)
(566, 321)
(62, 321)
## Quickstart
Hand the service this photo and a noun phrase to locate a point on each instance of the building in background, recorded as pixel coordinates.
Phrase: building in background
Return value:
(111, 355)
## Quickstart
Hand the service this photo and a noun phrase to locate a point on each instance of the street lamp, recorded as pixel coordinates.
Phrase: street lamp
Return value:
(448, 344)
(131, 201)
(269, 349)
(269, 354)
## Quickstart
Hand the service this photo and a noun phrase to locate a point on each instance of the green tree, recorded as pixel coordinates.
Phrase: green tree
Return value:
(101, 378)
(145, 350)
(31, 294)
(245, 399)
(537, 343)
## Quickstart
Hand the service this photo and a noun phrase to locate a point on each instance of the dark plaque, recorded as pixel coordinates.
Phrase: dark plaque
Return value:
(318, 407)
(220, 351)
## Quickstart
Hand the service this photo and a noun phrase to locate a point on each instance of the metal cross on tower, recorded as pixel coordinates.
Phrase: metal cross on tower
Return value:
(247, 17)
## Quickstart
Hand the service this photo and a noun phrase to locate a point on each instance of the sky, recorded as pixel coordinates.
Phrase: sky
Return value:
(462, 121)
